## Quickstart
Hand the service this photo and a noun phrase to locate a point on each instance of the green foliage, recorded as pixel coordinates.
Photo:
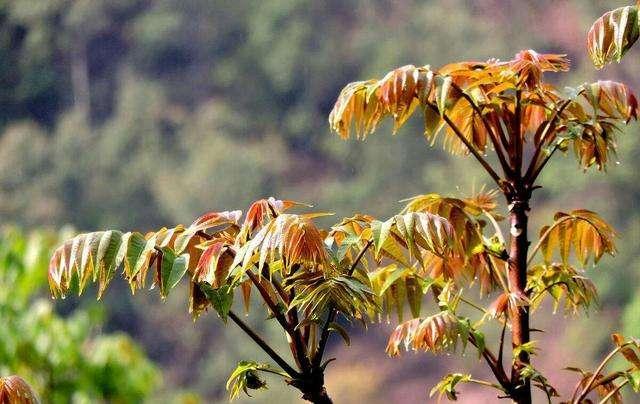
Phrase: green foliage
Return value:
(245, 377)
(447, 386)
(560, 281)
(221, 299)
(347, 294)
(61, 356)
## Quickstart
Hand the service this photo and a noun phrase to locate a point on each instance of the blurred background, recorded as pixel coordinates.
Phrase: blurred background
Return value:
(134, 114)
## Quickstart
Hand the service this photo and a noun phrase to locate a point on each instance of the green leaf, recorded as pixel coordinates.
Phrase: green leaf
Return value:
(172, 269)
(447, 386)
(245, 377)
(221, 298)
(107, 258)
(528, 347)
(381, 231)
(634, 379)
(480, 341)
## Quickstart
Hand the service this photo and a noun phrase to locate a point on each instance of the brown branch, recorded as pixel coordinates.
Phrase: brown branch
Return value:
(494, 139)
(501, 134)
(496, 367)
(264, 345)
(538, 170)
(545, 132)
(501, 348)
(324, 336)
(594, 377)
(297, 347)
(517, 133)
(469, 146)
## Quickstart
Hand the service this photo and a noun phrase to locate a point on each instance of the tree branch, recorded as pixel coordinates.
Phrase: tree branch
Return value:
(593, 378)
(494, 139)
(324, 336)
(538, 170)
(494, 365)
(469, 146)
(501, 348)
(298, 348)
(544, 134)
(264, 346)
(517, 133)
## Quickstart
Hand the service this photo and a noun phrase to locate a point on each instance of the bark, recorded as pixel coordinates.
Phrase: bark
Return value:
(312, 387)
(519, 247)
(318, 397)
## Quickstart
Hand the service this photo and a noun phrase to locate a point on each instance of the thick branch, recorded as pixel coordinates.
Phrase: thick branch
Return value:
(263, 344)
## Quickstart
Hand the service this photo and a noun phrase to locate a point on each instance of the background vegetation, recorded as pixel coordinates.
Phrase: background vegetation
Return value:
(133, 113)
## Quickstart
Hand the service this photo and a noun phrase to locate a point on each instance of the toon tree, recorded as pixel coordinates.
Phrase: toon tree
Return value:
(60, 356)
(512, 122)
(362, 269)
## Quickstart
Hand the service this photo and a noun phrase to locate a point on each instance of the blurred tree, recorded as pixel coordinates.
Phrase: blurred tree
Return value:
(62, 357)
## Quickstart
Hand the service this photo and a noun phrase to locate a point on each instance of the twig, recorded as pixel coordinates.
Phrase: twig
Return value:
(544, 134)
(298, 349)
(496, 368)
(324, 336)
(494, 139)
(469, 146)
(593, 378)
(263, 344)
(501, 348)
(614, 391)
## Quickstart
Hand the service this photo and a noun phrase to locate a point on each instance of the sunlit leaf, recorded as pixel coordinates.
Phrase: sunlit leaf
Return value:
(292, 238)
(613, 34)
(245, 377)
(316, 293)
(14, 390)
(396, 288)
(627, 349)
(582, 232)
(561, 281)
(440, 332)
(447, 386)
(203, 223)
